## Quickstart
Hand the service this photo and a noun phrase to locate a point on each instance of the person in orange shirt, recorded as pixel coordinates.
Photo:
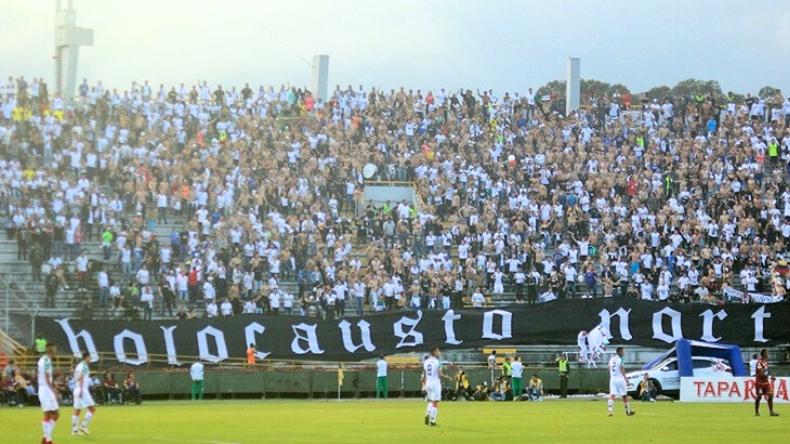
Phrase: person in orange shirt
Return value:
(251, 355)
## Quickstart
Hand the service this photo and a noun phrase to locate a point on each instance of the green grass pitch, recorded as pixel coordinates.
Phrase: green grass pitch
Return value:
(396, 421)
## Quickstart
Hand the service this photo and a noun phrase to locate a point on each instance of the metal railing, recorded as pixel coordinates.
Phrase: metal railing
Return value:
(9, 346)
(14, 302)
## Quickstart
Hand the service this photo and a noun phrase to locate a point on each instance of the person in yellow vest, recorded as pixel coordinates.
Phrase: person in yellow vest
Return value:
(773, 152)
(462, 386)
(18, 114)
(535, 388)
(40, 345)
(562, 366)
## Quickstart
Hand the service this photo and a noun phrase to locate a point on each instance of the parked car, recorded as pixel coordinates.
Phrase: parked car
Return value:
(666, 376)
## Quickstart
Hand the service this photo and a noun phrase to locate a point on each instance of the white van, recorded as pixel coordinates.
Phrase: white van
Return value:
(666, 376)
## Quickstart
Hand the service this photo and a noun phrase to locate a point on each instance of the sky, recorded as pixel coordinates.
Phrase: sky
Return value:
(418, 44)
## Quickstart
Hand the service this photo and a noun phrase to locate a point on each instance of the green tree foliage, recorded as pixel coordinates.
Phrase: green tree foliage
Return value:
(692, 87)
(659, 92)
(588, 87)
(555, 86)
(768, 92)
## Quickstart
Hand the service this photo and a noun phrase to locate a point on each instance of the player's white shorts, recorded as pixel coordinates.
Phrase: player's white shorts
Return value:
(433, 391)
(617, 387)
(83, 399)
(48, 400)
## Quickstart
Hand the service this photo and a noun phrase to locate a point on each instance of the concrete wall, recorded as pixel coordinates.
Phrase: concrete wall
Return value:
(319, 383)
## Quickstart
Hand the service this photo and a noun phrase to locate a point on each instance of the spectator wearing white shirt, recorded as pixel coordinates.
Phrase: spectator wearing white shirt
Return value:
(288, 303)
(209, 292)
(226, 309)
(143, 276)
(381, 378)
(147, 302)
(478, 300)
(161, 207)
(82, 270)
(570, 279)
(196, 373)
(274, 303)
(212, 311)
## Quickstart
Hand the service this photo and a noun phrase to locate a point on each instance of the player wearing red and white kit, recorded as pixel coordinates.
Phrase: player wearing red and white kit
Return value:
(82, 397)
(48, 395)
(618, 382)
(762, 384)
(432, 376)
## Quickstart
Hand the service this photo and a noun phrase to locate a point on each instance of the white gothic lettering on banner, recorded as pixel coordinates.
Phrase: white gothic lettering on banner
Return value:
(139, 345)
(449, 319)
(348, 340)
(250, 333)
(304, 333)
(707, 324)
(170, 344)
(658, 327)
(73, 339)
(759, 316)
(414, 336)
(625, 327)
(219, 340)
(506, 331)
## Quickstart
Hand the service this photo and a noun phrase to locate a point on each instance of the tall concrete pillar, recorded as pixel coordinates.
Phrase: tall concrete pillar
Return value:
(321, 77)
(573, 85)
(68, 39)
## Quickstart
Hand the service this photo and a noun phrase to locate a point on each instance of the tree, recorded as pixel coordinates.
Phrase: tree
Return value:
(768, 92)
(735, 97)
(659, 92)
(619, 88)
(594, 87)
(692, 87)
(555, 86)
(587, 87)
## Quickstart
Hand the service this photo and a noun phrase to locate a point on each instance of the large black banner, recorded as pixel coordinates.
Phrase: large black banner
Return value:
(357, 338)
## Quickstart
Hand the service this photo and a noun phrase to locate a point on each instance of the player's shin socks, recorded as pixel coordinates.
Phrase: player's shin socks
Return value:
(45, 429)
(757, 404)
(87, 420)
(611, 405)
(75, 419)
(771, 404)
(434, 413)
(428, 410)
(628, 407)
(49, 426)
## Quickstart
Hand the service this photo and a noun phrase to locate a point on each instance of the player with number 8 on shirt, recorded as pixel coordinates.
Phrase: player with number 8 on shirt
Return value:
(432, 376)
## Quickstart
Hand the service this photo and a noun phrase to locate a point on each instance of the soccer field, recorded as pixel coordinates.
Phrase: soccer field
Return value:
(396, 421)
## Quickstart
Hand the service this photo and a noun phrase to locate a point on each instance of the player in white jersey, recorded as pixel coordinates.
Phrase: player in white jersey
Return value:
(82, 397)
(618, 382)
(48, 395)
(432, 376)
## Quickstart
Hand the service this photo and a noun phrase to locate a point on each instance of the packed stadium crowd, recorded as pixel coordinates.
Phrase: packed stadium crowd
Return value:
(678, 199)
